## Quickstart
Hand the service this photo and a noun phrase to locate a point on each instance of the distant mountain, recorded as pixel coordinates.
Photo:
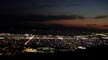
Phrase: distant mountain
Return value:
(48, 29)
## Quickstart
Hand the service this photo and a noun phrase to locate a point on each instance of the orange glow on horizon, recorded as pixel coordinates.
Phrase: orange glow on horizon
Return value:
(87, 23)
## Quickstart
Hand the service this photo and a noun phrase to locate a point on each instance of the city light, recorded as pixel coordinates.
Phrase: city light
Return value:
(49, 43)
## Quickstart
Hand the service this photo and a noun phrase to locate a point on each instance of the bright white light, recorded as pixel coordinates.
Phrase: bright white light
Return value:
(80, 47)
(30, 38)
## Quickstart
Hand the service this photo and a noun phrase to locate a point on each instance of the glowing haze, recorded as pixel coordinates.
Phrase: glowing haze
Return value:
(86, 23)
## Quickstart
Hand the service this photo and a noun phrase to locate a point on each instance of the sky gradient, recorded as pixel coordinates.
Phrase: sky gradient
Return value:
(60, 12)
(87, 8)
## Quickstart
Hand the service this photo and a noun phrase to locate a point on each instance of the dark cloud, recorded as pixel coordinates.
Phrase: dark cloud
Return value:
(50, 6)
(100, 17)
(50, 17)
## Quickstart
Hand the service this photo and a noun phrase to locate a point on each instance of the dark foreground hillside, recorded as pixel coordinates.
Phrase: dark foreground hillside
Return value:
(90, 53)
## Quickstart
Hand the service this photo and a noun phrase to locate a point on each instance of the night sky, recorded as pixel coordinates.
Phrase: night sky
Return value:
(86, 8)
